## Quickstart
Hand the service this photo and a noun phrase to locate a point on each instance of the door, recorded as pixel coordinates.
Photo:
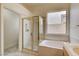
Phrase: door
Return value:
(27, 30)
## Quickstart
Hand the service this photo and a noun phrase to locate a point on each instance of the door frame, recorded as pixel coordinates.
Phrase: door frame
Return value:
(30, 19)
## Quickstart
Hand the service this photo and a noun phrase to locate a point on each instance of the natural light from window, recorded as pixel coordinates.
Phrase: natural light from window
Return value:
(56, 23)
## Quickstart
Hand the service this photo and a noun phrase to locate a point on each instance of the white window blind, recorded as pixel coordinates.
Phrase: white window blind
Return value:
(56, 23)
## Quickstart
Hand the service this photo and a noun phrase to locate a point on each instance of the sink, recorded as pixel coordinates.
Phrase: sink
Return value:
(76, 50)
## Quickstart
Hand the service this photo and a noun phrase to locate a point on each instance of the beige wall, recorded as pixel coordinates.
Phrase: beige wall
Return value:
(74, 21)
(19, 9)
(0, 27)
(22, 12)
(11, 29)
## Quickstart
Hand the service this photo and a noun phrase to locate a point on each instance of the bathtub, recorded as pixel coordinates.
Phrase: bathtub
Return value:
(51, 48)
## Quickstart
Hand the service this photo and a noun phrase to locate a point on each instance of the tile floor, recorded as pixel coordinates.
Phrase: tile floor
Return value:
(15, 52)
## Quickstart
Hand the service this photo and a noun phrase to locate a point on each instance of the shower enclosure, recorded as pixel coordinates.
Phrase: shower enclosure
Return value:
(32, 33)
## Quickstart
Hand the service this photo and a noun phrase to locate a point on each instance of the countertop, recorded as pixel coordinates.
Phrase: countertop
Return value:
(69, 47)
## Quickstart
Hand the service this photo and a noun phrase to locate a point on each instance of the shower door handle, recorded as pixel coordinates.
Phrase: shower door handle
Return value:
(31, 34)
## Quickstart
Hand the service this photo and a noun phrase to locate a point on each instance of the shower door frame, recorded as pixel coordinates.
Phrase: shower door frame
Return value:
(2, 27)
(32, 24)
(36, 52)
(30, 19)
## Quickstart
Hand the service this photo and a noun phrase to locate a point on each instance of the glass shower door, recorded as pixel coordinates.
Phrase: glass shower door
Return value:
(27, 38)
(32, 33)
(38, 33)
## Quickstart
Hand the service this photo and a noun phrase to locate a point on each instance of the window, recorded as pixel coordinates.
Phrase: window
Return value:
(56, 22)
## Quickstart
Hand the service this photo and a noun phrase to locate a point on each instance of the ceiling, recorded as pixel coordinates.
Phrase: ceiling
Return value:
(42, 9)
